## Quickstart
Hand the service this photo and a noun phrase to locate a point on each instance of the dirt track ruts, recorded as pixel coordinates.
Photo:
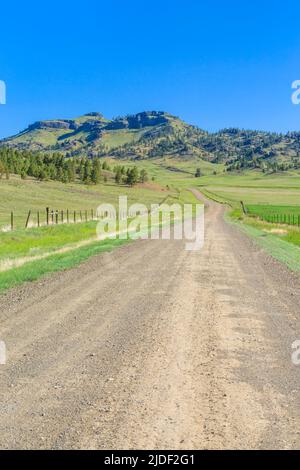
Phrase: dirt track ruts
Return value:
(152, 346)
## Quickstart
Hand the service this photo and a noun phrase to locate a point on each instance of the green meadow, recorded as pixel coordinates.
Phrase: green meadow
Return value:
(255, 188)
(273, 206)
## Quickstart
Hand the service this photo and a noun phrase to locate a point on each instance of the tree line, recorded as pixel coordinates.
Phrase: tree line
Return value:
(55, 166)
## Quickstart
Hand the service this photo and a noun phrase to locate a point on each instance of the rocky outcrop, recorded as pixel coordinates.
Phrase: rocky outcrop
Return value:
(94, 114)
(55, 124)
(138, 121)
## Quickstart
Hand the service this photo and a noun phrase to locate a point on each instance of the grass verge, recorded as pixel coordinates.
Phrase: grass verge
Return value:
(57, 262)
(283, 244)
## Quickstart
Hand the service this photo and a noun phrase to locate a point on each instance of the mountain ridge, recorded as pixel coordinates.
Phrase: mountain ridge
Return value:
(151, 134)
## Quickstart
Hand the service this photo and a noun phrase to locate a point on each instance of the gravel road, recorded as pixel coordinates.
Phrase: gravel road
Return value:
(152, 346)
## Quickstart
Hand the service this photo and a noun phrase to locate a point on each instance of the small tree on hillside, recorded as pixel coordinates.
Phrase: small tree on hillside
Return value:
(132, 176)
(143, 176)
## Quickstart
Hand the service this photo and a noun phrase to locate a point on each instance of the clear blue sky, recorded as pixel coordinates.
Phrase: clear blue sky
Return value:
(215, 64)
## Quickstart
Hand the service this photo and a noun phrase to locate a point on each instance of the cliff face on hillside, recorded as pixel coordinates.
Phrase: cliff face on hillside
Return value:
(53, 125)
(138, 121)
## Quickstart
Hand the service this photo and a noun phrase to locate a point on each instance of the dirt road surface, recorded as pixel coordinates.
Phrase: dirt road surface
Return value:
(152, 346)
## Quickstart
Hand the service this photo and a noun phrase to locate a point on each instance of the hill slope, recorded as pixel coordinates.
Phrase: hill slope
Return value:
(92, 133)
(158, 134)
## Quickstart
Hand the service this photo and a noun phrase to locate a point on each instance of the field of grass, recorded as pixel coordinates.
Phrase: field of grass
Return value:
(268, 209)
(273, 198)
(289, 215)
(188, 166)
(254, 188)
(20, 196)
(58, 262)
(272, 203)
(289, 233)
(258, 195)
(176, 174)
(253, 179)
(37, 241)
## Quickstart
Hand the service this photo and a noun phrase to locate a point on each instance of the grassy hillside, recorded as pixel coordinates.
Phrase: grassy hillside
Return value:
(93, 135)
(156, 135)
(20, 196)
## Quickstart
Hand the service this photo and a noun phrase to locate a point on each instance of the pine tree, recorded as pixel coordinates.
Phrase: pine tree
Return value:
(2, 170)
(70, 170)
(87, 172)
(132, 176)
(96, 171)
(118, 176)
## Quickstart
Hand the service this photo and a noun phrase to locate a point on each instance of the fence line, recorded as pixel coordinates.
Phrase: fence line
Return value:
(34, 219)
(48, 217)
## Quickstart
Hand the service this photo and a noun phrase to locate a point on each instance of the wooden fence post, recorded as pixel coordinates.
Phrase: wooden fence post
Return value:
(38, 218)
(244, 208)
(27, 220)
(68, 219)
